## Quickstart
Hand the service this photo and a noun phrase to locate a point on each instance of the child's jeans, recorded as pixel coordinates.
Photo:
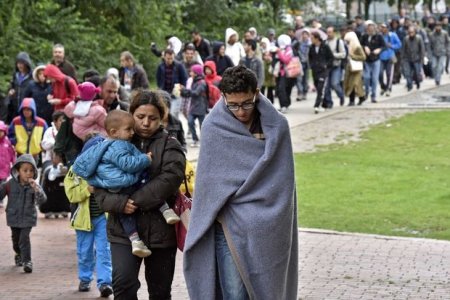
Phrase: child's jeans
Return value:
(129, 223)
(21, 242)
(93, 251)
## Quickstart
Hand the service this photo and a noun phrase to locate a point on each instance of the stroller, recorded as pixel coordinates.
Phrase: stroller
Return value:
(52, 182)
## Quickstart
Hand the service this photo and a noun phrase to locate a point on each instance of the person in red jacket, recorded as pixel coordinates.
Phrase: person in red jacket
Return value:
(210, 71)
(64, 87)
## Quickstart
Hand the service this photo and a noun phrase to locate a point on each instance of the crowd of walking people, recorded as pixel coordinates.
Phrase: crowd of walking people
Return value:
(121, 147)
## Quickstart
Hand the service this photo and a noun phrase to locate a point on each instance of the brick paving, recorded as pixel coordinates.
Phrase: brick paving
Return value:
(332, 266)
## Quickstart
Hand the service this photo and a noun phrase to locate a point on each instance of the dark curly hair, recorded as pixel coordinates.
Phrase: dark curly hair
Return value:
(238, 79)
(143, 97)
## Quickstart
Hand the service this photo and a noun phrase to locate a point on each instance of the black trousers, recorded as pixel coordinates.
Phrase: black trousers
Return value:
(284, 89)
(320, 80)
(269, 92)
(159, 271)
(21, 242)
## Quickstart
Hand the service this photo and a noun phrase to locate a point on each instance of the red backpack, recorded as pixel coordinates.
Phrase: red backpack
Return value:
(213, 94)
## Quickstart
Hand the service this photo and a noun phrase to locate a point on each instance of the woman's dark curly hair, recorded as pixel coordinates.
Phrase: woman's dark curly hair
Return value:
(143, 97)
(238, 79)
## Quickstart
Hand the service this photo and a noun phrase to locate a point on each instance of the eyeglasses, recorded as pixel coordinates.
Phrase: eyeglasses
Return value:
(245, 106)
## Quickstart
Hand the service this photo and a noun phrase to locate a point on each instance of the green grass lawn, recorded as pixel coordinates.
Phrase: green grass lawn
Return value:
(396, 181)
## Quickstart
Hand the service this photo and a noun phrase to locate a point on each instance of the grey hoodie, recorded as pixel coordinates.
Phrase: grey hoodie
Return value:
(439, 43)
(22, 199)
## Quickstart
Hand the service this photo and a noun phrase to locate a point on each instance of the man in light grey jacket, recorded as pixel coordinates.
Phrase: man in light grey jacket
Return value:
(439, 48)
(337, 47)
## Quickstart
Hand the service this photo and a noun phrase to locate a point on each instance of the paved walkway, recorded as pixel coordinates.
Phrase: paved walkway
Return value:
(332, 265)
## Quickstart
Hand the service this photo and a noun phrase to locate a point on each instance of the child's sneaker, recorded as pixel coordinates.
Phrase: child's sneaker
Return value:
(84, 286)
(170, 216)
(139, 249)
(18, 260)
(105, 290)
(28, 267)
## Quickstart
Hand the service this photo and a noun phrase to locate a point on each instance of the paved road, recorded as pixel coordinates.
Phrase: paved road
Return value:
(332, 265)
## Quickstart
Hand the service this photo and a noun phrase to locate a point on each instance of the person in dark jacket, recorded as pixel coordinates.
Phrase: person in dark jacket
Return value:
(413, 54)
(131, 75)
(219, 57)
(21, 79)
(24, 193)
(199, 101)
(171, 123)
(202, 46)
(171, 74)
(166, 174)
(39, 89)
(320, 61)
(372, 43)
(62, 63)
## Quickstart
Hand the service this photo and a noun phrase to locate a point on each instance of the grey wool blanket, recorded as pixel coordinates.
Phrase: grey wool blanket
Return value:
(249, 185)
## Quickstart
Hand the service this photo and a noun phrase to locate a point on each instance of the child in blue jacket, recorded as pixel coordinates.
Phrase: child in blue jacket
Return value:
(117, 164)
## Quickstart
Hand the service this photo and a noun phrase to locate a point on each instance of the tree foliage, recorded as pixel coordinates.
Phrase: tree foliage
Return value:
(95, 32)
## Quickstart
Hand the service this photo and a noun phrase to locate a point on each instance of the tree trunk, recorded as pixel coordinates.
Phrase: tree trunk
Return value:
(348, 8)
(399, 6)
(366, 9)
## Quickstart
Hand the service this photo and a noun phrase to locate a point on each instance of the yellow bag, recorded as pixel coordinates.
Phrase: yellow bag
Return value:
(189, 175)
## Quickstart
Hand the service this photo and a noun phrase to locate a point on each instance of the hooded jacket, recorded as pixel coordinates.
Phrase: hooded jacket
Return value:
(20, 84)
(222, 62)
(439, 43)
(7, 153)
(27, 139)
(39, 92)
(395, 45)
(94, 121)
(197, 93)
(111, 164)
(235, 51)
(64, 87)
(77, 192)
(212, 78)
(22, 199)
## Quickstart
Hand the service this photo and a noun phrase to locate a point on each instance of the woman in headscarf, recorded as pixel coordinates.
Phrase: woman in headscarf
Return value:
(353, 82)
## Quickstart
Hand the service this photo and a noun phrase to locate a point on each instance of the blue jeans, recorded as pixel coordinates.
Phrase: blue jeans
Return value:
(438, 64)
(191, 123)
(302, 81)
(334, 82)
(371, 75)
(231, 284)
(93, 251)
(412, 72)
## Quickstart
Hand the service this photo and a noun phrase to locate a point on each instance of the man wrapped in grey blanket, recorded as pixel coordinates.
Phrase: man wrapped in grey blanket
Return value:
(243, 225)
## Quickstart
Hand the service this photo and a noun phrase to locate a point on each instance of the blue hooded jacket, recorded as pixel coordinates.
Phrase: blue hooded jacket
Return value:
(111, 164)
(396, 44)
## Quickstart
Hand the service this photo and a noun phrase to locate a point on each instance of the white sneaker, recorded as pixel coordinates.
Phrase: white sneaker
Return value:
(283, 110)
(195, 144)
(139, 249)
(170, 216)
